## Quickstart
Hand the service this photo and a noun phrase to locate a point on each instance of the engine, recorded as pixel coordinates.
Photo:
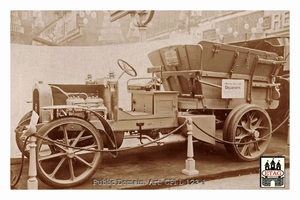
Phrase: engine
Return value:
(63, 96)
(93, 103)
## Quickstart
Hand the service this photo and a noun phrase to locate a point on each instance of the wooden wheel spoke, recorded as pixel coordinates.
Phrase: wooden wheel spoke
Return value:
(263, 127)
(245, 150)
(84, 161)
(256, 146)
(71, 169)
(258, 122)
(251, 116)
(57, 167)
(241, 136)
(59, 146)
(85, 138)
(43, 158)
(78, 138)
(244, 126)
(82, 138)
(66, 138)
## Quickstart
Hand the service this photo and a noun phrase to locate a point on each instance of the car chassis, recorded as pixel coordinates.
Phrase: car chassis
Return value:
(222, 88)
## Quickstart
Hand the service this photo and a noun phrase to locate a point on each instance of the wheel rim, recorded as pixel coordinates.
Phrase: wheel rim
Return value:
(61, 167)
(249, 124)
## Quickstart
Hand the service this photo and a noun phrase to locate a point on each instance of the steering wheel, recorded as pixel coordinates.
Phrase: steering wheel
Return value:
(128, 69)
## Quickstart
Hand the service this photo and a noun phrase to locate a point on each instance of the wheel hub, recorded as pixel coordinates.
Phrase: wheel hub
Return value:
(255, 134)
(70, 153)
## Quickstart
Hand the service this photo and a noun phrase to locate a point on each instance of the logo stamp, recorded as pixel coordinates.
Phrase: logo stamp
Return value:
(272, 171)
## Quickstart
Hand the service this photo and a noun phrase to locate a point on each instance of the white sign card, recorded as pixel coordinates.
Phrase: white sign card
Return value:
(232, 88)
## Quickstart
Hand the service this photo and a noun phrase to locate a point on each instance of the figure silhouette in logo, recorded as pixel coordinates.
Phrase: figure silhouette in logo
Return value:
(278, 165)
(273, 164)
(267, 165)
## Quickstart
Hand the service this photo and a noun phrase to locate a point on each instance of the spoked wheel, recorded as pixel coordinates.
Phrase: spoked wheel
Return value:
(60, 166)
(248, 127)
(25, 120)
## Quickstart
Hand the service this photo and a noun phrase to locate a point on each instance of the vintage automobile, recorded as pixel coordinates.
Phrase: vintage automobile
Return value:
(226, 90)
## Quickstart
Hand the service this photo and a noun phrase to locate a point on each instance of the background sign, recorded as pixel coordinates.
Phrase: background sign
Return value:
(66, 28)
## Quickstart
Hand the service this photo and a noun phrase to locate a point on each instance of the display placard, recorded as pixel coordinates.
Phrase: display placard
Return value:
(232, 88)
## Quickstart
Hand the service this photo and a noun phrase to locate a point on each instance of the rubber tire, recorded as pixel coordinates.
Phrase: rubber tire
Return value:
(231, 127)
(226, 137)
(25, 120)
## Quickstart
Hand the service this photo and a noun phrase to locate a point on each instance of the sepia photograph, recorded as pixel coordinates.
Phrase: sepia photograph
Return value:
(154, 99)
